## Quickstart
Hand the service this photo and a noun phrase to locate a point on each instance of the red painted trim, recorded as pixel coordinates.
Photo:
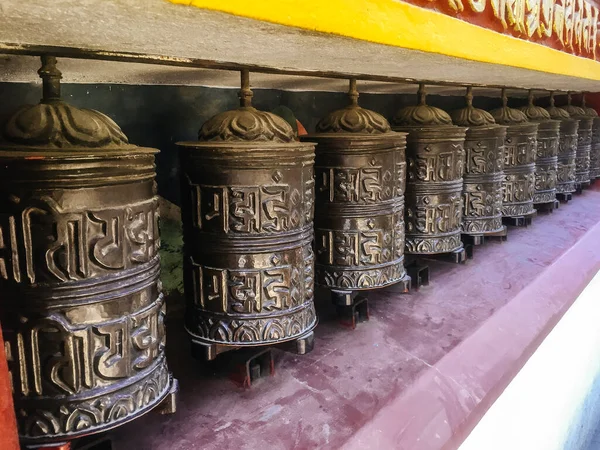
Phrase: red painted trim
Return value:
(9, 439)
(443, 406)
(593, 101)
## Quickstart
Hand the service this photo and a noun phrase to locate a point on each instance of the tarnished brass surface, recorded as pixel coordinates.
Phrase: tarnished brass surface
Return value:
(360, 172)
(519, 160)
(435, 157)
(567, 148)
(546, 161)
(247, 208)
(484, 169)
(595, 149)
(584, 142)
(82, 310)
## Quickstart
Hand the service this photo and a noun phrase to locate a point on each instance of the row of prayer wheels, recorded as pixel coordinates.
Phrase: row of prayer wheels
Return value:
(266, 217)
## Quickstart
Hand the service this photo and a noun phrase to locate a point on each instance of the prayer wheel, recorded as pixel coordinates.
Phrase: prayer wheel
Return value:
(584, 143)
(546, 160)
(360, 173)
(595, 150)
(82, 310)
(435, 163)
(518, 186)
(484, 170)
(567, 148)
(247, 210)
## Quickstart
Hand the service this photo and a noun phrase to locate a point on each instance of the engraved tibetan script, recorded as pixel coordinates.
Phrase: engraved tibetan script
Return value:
(39, 241)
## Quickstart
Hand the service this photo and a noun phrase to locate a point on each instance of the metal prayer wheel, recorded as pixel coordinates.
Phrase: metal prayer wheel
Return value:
(435, 158)
(484, 170)
(595, 150)
(360, 173)
(546, 160)
(247, 208)
(518, 186)
(567, 148)
(82, 310)
(584, 143)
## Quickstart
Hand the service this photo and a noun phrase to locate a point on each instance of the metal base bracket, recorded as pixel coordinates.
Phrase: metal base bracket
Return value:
(208, 352)
(248, 365)
(458, 256)
(518, 221)
(579, 187)
(351, 307)
(548, 207)
(169, 404)
(564, 196)
(419, 273)
(478, 239)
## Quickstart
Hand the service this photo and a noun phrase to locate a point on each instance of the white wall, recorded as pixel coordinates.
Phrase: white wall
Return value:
(548, 405)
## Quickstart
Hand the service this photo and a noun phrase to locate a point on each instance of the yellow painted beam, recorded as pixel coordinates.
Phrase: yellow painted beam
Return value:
(399, 24)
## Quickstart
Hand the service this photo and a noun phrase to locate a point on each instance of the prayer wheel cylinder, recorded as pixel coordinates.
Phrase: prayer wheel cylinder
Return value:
(484, 170)
(567, 148)
(360, 173)
(518, 186)
(247, 208)
(584, 144)
(595, 149)
(435, 163)
(546, 160)
(82, 310)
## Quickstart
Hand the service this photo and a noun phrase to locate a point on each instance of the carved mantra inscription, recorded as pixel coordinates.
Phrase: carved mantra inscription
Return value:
(482, 189)
(443, 166)
(85, 348)
(53, 356)
(433, 201)
(595, 152)
(565, 171)
(249, 269)
(42, 242)
(359, 228)
(518, 185)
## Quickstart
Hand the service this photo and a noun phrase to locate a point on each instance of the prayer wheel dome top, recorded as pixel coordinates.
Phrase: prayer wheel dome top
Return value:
(354, 119)
(555, 112)
(54, 124)
(246, 124)
(506, 115)
(590, 112)
(469, 116)
(533, 112)
(422, 115)
(576, 112)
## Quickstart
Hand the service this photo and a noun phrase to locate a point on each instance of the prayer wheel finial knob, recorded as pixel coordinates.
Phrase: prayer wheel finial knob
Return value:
(530, 97)
(50, 76)
(469, 96)
(245, 93)
(353, 92)
(422, 94)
